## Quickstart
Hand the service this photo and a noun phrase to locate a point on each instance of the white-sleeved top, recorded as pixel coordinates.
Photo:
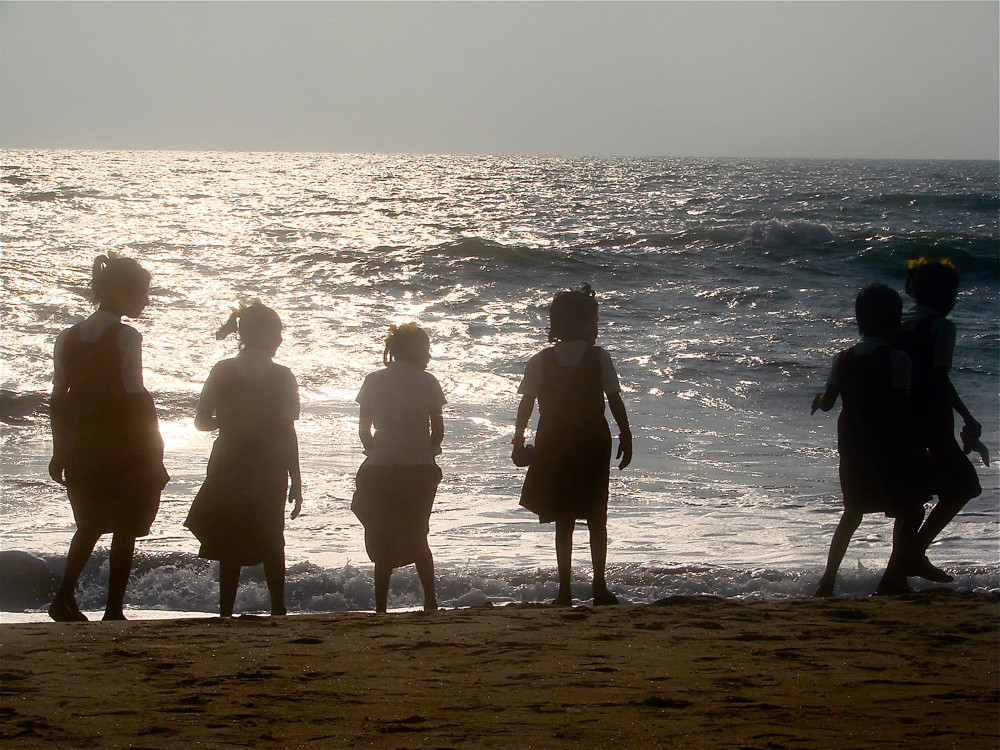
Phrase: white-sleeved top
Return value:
(568, 354)
(402, 399)
(91, 330)
(252, 364)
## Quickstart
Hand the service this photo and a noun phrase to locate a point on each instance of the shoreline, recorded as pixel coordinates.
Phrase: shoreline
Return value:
(919, 670)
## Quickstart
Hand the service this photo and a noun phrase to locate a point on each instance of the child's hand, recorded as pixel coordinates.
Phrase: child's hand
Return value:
(624, 450)
(971, 442)
(816, 402)
(971, 432)
(56, 470)
(295, 496)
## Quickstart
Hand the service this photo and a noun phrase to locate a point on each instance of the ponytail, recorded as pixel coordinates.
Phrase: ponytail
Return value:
(406, 342)
(253, 322)
(229, 327)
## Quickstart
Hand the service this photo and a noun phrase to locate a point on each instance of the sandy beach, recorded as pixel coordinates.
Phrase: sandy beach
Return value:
(899, 672)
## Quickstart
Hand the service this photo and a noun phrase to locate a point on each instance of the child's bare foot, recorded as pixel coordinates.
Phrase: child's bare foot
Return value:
(825, 588)
(563, 599)
(890, 588)
(278, 612)
(62, 610)
(924, 568)
(115, 615)
(430, 606)
(603, 597)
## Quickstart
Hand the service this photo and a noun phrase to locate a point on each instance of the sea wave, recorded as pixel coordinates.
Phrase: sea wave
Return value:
(184, 583)
(23, 408)
(976, 202)
(32, 407)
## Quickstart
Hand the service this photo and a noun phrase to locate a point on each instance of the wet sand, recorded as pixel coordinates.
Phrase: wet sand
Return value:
(919, 670)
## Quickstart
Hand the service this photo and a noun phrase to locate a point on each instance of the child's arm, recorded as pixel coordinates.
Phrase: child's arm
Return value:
(944, 336)
(294, 475)
(57, 420)
(826, 399)
(205, 420)
(625, 436)
(974, 428)
(524, 409)
(972, 431)
(204, 415)
(365, 424)
(437, 432)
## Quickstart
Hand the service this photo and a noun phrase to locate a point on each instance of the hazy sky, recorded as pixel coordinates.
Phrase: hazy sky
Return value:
(826, 79)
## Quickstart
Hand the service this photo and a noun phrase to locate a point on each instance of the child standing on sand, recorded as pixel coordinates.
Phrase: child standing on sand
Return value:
(569, 472)
(401, 428)
(929, 338)
(238, 514)
(883, 466)
(106, 445)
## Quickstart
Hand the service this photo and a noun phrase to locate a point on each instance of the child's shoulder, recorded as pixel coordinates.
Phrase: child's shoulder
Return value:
(128, 334)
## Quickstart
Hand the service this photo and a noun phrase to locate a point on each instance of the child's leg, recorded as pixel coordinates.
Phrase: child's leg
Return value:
(64, 608)
(564, 559)
(425, 569)
(119, 570)
(942, 514)
(904, 533)
(274, 574)
(849, 523)
(382, 575)
(599, 556)
(229, 581)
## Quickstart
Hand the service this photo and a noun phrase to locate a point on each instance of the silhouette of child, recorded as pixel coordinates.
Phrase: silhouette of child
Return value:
(929, 338)
(238, 514)
(883, 467)
(569, 471)
(107, 448)
(396, 484)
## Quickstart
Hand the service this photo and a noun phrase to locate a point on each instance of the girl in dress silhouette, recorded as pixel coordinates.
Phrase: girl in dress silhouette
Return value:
(884, 467)
(238, 514)
(929, 338)
(568, 475)
(107, 448)
(401, 428)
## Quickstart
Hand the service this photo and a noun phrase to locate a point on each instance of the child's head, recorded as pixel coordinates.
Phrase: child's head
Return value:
(573, 315)
(120, 285)
(878, 310)
(407, 343)
(256, 324)
(933, 283)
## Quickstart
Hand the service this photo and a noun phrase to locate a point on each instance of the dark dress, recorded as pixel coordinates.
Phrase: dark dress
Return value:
(394, 505)
(239, 512)
(881, 468)
(568, 476)
(934, 414)
(108, 439)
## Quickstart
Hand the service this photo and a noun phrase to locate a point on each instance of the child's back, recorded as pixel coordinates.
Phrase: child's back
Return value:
(872, 440)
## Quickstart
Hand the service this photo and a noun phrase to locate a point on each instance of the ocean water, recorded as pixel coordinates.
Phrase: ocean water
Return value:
(725, 287)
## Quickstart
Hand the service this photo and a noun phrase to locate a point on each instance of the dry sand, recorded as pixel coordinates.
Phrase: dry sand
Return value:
(917, 671)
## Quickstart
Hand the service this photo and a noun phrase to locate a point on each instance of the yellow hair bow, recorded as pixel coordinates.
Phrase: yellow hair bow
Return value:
(405, 328)
(922, 261)
(244, 304)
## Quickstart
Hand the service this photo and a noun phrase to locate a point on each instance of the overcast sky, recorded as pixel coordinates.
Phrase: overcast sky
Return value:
(797, 79)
